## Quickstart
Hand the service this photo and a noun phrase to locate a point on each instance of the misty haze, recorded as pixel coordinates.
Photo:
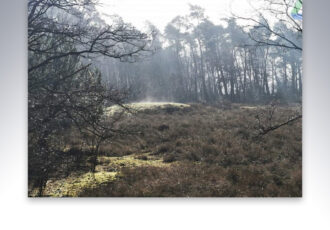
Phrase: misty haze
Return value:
(165, 98)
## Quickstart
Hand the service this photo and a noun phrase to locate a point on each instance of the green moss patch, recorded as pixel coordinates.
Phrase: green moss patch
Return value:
(131, 161)
(106, 171)
(73, 185)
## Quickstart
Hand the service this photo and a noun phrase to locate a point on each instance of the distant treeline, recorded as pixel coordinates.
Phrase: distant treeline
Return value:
(199, 61)
(78, 64)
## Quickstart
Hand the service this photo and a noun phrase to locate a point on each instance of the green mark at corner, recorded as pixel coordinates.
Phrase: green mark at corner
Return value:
(297, 7)
(295, 10)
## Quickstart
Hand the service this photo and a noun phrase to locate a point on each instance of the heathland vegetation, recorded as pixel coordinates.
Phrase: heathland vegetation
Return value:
(202, 109)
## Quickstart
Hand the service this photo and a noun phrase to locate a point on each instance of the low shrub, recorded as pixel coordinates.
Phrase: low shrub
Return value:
(168, 158)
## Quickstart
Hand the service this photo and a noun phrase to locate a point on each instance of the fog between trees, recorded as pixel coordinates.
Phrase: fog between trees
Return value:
(79, 64)
(197, 60)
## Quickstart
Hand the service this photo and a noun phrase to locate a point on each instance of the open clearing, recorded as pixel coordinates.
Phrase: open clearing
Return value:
(193, 150)
(146, 106)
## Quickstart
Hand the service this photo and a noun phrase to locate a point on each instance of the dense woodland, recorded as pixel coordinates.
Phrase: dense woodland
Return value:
(81, 63)
(199, 61)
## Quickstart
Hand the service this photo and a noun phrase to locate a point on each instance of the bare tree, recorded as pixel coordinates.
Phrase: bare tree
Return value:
(91, 36)
(263, 31)
(65, 91)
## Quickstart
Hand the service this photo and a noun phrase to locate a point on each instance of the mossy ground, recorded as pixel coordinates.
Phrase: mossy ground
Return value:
(107, 170)
(194, 150)
(74, 184)
(131, 161)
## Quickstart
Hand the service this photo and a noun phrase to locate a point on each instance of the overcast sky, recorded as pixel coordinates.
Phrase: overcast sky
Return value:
(160, 12)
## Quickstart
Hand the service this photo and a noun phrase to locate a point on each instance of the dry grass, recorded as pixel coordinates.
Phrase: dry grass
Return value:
(199, 150)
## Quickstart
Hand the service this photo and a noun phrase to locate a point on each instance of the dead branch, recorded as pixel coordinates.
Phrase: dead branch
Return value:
(263, 131)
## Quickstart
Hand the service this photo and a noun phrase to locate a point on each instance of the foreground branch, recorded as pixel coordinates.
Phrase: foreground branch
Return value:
(263, 131)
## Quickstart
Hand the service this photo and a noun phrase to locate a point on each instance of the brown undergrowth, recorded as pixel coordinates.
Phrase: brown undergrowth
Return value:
(201, 151)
